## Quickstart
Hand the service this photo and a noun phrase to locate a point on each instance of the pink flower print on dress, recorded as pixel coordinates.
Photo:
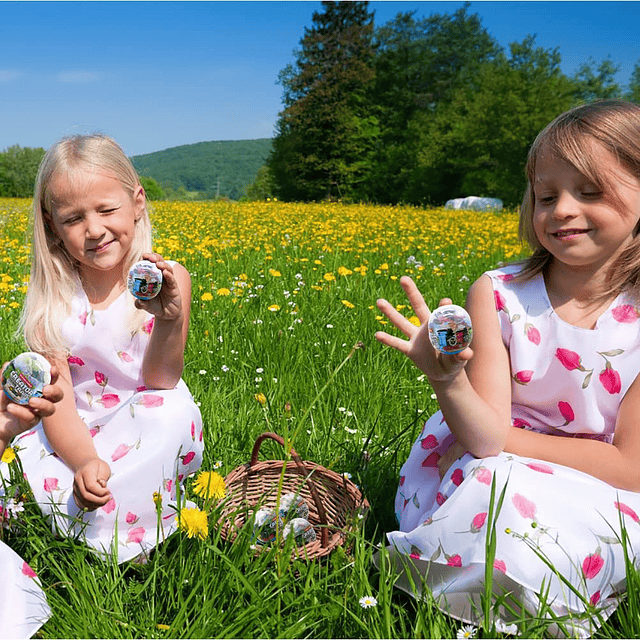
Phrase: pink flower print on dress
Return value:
(75, 360)
(567, 412)
(533, 335)
(478, 522)
(523, 377)
(94, 431)
(524, 506)
(131, 518)
(520, 424)
(627, 510)
(440, 498)
(167, 484)
(101, 379)
(571, 361)
(592, 564)
(83, 317)
(28, 571)
(430, 442)
(500, 566)
(482, 474)
(457, 477)
(539, 466)
(135, 535)
(595, 598)
(187, 458)
(150, 401)
(147, 327)
(610, 379)
(501, 303)
(454, 561)
(110, 506)
(431, 460)
(625, 313)
(124, 356)
(193, 430)
(506, 277)
(122, 450)
(401, 481)
(109, 400)
(51, 484)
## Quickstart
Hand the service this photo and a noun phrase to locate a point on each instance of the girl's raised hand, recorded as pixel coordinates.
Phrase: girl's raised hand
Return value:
(167, 305)
(418, 348)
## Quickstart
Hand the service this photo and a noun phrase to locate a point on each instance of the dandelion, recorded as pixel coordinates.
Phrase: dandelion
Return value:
(261, 398)
(274, 307)
(274, 272)
(9, 455)
(348, 304)
(194, 523)
(223, 291)
(209, 484)
(329, 277)
(467, 631)
(206, 296)
(366, 602)
(415, 320)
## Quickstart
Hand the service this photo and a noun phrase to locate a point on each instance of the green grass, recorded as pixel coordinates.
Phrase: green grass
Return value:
(358, 415)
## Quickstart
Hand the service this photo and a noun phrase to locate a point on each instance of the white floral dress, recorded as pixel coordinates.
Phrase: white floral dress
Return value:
(151, 439)
(566, 381)
(23, 607)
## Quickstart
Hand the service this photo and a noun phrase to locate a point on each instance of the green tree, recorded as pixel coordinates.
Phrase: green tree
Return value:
(420, 66)
(633, 91)
(326, 133)
(18, 170)
(151, 187)
(596, 82)
(478, 143)
(262, 187)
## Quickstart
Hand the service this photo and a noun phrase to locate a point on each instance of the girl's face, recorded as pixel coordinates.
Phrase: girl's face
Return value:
(578, 223)
(95, 218)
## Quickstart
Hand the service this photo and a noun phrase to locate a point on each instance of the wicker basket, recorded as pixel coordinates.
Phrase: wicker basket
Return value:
(334, 501)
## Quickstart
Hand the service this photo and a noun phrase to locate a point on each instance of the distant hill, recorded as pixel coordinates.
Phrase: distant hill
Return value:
(221, 168)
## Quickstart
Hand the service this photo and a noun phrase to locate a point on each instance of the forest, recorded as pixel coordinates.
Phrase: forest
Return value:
(414, 111)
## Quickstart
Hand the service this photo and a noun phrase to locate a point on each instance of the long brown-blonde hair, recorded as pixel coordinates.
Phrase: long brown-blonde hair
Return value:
(54, 276)
(614, 124)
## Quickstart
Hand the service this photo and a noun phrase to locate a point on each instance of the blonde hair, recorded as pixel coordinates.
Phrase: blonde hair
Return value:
(54, 276)
(614, 124)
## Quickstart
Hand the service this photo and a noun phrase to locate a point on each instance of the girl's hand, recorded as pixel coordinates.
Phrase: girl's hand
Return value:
(437, 366)
(167, 305)
(90, 485)
(17, 418)
(451, 455)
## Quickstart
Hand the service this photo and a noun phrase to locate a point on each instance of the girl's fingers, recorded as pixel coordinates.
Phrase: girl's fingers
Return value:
(415, 299)
(393, 341)
(396, 318)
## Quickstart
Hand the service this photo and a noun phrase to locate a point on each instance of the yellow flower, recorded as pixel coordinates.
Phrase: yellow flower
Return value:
(223, 292)
(343, 271)
(414, 320)
(157, 498)
(348, 304)
(206, 296)
(274, 307)
(261, 398)
(209, 484)
(163, 627)
(329, 277)
(274, 272)
(194, 523)
(9, 455)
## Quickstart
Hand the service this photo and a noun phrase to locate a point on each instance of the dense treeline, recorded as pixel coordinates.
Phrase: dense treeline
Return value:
(419, 110)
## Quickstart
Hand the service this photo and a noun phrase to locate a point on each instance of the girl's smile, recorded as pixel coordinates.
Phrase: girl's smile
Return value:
(95, 218)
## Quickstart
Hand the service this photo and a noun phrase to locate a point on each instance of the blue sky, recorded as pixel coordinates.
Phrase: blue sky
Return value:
(156, 75)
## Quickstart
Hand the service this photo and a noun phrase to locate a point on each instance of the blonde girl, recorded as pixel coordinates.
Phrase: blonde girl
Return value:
(545, 402)
(106, 466)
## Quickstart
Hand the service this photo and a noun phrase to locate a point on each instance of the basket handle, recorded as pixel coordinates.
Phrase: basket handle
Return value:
(322, 514)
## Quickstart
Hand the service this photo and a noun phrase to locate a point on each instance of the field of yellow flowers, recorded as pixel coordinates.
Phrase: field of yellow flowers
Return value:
(281, 293)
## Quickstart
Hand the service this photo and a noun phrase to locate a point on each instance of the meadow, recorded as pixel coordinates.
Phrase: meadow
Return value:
(281, 295)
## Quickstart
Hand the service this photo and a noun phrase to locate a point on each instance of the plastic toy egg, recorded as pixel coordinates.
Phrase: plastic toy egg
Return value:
(25, 377)
(144, 280)
(450, 329)
(293, 506)
(301, 530)
(266, 524)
